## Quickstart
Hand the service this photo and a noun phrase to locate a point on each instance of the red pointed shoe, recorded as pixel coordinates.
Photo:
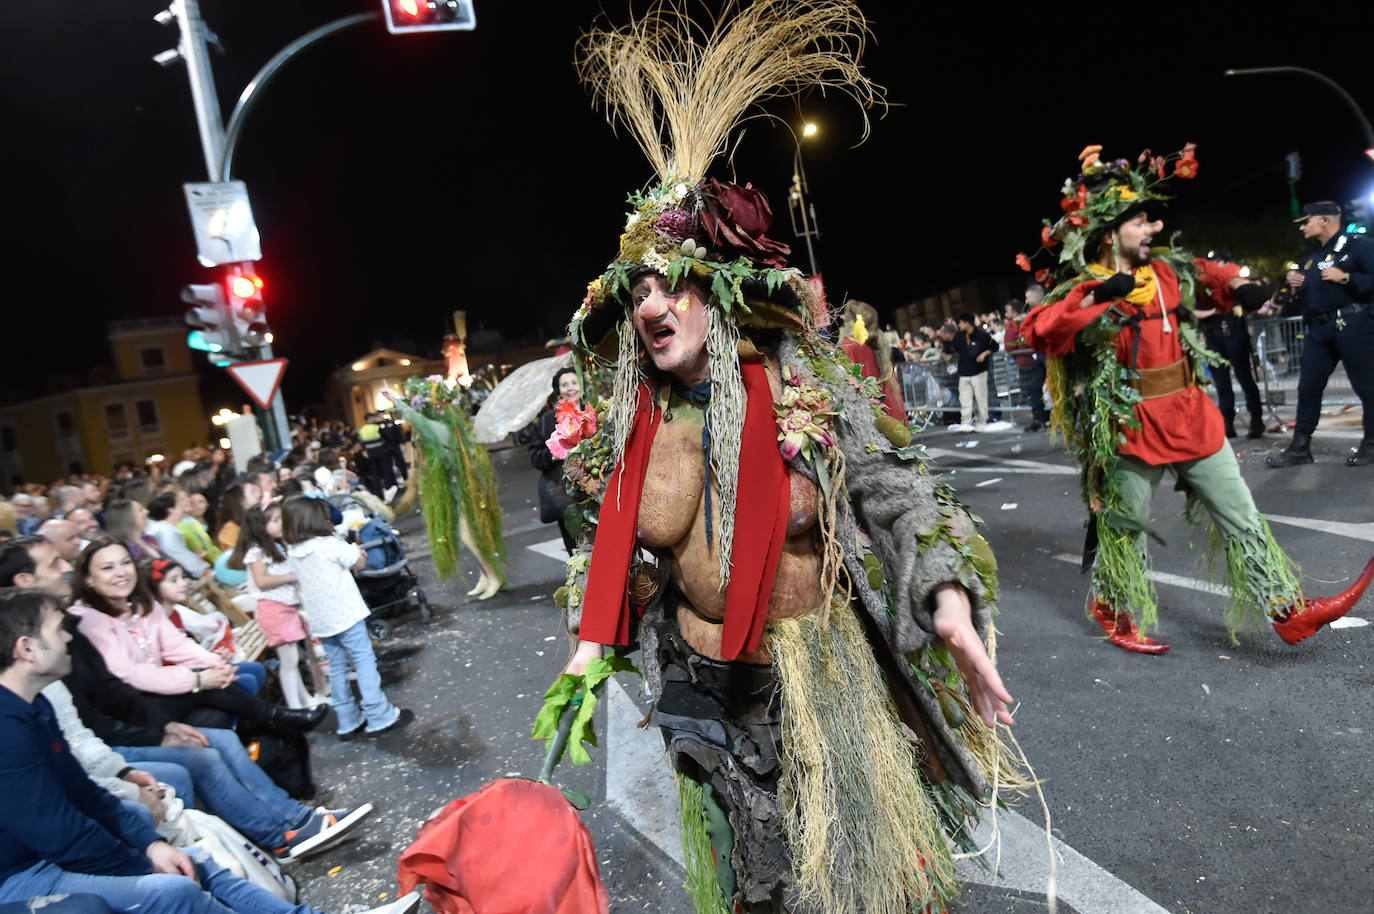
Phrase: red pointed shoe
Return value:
(1122, 632)
(1297, 623)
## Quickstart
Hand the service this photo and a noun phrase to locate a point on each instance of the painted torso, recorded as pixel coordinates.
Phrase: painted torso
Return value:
(672, 523)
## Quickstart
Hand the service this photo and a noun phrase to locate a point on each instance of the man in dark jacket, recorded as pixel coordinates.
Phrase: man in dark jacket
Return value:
(973, 346)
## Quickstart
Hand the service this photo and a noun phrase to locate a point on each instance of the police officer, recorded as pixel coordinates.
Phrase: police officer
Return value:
(1335, 287)
(1221, 309)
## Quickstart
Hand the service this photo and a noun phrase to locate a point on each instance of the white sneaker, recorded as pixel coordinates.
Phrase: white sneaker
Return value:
(389, 493)
(402, 905)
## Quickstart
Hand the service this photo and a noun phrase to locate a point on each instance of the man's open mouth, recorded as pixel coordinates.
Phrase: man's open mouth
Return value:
(663, 336)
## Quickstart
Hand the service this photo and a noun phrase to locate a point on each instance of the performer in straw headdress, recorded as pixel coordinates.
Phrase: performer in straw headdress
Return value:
(813, 625)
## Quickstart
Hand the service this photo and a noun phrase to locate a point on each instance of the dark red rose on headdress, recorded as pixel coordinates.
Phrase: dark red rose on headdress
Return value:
(1043, 276)
(677, 224)
(735, 218)
(1047, 236)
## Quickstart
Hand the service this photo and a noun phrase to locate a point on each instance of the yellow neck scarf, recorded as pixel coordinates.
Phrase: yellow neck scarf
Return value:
(1146, 286)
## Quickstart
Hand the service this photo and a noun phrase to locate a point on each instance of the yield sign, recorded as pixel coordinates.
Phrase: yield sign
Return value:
(259, 379)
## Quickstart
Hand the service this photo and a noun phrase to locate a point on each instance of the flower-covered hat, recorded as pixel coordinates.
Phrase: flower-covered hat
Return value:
(1103, 196)
(681, 88)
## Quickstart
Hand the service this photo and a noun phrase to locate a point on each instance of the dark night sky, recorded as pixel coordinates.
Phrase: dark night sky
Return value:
(397, 178)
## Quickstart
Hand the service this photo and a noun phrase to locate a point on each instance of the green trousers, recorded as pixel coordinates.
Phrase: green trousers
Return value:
(1215, 481)
(1262, 579)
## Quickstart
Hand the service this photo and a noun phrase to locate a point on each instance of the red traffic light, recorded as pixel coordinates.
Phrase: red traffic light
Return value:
(406, 16)
(245, 286)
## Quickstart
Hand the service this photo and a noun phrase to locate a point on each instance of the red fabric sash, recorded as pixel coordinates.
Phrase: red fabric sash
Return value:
(760, 525)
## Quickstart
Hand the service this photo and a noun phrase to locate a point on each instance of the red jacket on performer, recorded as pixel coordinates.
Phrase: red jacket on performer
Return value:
(1184, 425)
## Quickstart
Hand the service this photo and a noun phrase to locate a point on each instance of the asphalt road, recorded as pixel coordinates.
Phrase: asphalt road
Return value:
(1220, 777)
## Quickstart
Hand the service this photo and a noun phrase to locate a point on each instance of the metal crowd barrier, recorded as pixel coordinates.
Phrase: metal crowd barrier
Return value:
(931, 390)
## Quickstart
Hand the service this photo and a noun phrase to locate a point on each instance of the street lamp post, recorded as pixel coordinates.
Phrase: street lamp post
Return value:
(1331, 84)
(802, 211)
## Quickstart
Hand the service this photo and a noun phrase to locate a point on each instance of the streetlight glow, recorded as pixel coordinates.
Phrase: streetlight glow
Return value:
(810, 130)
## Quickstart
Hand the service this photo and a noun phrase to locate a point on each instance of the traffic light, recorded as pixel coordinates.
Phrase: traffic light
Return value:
(1358, 213)
(206, 318)
(405, 16)
(243, 290)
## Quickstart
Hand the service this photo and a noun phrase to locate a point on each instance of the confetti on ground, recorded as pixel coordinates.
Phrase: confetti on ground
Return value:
(987, 482)
(1349, 622)
(335, 870)
(1009, 506)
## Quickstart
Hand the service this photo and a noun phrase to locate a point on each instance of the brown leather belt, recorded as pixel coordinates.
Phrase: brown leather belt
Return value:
(1160, 382)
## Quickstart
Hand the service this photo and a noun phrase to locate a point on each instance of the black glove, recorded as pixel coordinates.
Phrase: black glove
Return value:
(1252, 296)
(1119, 286)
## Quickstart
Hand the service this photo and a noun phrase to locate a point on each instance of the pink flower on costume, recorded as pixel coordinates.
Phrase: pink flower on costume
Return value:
(571, 427)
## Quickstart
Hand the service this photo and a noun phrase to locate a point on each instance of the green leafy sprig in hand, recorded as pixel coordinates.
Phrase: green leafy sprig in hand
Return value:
(578, 693)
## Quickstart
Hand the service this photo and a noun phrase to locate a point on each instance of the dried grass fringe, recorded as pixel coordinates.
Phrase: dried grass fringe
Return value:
(681, 86)
(863, 834)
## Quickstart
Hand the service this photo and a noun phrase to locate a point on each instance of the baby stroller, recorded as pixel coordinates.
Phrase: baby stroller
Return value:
(389, 587)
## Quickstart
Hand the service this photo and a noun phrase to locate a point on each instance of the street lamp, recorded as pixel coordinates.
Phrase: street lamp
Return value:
(801, 210)
(1331, 84)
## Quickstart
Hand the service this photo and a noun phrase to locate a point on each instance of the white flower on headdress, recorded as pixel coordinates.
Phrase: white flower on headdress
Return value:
(679, 191)
(655, 261)
(631, 220)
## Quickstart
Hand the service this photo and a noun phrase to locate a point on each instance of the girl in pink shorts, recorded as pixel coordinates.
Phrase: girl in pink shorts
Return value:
(272, 581)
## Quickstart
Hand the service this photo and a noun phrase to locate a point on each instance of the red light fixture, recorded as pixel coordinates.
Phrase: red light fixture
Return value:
(409, 7)
(244, 286)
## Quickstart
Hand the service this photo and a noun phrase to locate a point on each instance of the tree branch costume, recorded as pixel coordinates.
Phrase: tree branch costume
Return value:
(820, 732)
(1124, 375)
(457, 483)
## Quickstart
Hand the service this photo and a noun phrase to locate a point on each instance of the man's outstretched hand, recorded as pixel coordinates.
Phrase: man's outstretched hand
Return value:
(954, 625)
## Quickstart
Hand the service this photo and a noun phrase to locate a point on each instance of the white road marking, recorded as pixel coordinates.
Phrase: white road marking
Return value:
(1353, 531)
(998, 464)
(987, 482)
(1164, 577)
(639, 781)
(552, 548)
(640, 787)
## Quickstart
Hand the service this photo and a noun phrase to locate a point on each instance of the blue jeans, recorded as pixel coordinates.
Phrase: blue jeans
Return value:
(251, 676)
(219, 892)
(170, 773)
(232, 785)
(72, 904)
(354, 647)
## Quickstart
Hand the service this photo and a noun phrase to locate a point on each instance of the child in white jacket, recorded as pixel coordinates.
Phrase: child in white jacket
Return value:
(324, 566)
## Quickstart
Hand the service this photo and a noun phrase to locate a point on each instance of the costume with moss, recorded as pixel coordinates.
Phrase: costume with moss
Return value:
(836, 777)
(457, 484)
(1125, 380)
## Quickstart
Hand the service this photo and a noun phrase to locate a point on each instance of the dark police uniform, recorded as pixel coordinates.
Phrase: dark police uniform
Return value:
(1340, 327)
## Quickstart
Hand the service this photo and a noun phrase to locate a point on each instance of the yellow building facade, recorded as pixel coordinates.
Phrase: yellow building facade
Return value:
(152, 406)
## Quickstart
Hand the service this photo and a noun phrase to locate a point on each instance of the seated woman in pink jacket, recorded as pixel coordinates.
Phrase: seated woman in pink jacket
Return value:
(141, 646)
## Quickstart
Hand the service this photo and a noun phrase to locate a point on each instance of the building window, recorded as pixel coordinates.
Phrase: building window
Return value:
(66, 427)
(147, 415)
(153, 361)
(116, 420)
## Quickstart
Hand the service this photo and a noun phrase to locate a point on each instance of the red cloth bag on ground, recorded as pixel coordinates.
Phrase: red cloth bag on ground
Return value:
(513, 847)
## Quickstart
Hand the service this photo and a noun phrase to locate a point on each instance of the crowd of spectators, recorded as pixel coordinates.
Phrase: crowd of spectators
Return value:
(130, 692)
